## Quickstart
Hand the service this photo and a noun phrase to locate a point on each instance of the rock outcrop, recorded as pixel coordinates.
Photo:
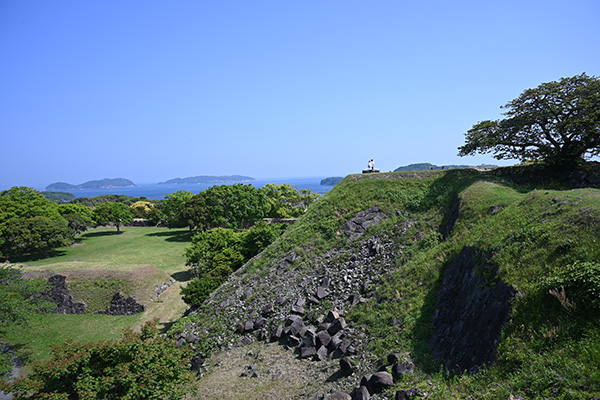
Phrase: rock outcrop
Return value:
(58, 293)
(121, 305)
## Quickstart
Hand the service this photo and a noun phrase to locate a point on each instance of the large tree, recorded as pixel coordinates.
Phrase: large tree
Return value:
(116, 213)
(30, 224)
(172, 208)
(557, 122)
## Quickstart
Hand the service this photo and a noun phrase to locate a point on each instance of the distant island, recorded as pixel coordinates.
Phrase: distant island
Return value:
(424, 166)
(192, 180)
(331, 181)
(105, 183)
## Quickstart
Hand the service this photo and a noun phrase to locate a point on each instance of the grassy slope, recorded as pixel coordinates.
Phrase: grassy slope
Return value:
(544, 350)
(107, 262)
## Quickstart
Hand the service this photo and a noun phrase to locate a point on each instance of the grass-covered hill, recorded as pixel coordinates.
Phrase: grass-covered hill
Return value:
(385, 277)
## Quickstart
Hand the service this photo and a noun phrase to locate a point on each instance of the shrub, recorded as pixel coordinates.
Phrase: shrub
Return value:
(579, 283)
(141, 365)
(198, 290)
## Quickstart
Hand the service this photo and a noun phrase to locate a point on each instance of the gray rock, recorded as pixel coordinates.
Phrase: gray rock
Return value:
(340, 396)
(346, 367)
(401, 369)
(322, 293)
(406, 394)
(321, 353)
(323, 338)
(380, 381)
(361, 393)
(306, 352)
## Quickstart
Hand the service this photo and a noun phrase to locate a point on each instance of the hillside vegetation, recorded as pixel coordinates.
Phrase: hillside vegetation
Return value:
(543, 243)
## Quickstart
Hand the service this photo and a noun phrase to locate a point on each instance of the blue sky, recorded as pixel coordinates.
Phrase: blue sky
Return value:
(153, 90)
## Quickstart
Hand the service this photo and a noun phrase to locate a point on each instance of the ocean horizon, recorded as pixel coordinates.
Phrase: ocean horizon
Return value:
(155, 191)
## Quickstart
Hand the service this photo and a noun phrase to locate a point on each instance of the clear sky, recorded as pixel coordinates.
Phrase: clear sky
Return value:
(152, 90)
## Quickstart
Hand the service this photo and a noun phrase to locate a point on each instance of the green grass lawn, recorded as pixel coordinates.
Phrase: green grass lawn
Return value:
(43, 331)
(104, 248)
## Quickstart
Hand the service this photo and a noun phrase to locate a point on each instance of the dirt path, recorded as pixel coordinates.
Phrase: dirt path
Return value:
(168, 308)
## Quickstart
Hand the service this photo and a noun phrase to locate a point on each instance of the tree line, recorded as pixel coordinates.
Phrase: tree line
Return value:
(31, 225)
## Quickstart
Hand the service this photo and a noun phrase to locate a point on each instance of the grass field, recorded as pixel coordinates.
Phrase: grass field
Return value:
(138, 258)
(104, 248)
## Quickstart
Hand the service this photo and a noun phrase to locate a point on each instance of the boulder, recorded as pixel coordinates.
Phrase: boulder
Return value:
(401, 369)
(361, 393)
(346, 367)
(380, 381)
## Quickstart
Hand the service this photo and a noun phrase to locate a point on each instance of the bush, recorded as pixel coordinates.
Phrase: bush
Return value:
(578, 283)
(198, 290)
(141, 365)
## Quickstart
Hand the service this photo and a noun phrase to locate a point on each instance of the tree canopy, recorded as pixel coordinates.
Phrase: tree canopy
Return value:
(557, 122)
(30, 224)
(115, 213)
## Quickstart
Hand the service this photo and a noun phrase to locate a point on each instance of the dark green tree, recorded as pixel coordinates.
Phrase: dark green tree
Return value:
(194, 213)
(172, 208)
(34, 236)
(286, 201)
(557, 122)
(113, 213)
(235, 206)
(29, 223)
(78, 216)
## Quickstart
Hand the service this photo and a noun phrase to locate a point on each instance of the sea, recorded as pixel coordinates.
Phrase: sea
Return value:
(154, 191)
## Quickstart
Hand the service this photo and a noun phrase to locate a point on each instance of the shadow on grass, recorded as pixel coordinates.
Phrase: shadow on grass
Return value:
(174, 236)
(34, 257)
(99, 234)
(182, 276)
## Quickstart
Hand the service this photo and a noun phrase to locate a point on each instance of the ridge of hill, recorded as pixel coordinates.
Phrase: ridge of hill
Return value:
(204, 179)
(106, 183)
(429, 166)
(382, 261)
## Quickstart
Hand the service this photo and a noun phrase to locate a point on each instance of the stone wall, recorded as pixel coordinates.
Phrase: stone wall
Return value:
(472, 307)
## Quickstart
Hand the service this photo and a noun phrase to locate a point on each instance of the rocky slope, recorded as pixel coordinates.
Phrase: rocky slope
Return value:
(389, 279)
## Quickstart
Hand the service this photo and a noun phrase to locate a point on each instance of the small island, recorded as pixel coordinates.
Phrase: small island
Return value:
(204, 179)
(105, 183)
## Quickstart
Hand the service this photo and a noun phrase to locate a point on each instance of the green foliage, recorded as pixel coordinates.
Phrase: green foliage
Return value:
(259, 236)
(227, 206)
(141, 365)
(197, 290)
(17, 303)
(34, 236)
(557, 122)
(23, 202)
(172, 208)
(286, 201)
(578, 283)
(16, 296)
(208, 244)
(59, 197)
(78, 216)
(113, 213)
(107, 198)
(146, 210)
(216, 253)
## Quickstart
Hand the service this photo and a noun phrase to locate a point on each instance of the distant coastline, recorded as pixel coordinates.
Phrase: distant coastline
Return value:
(105, 183)
(205, 179)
